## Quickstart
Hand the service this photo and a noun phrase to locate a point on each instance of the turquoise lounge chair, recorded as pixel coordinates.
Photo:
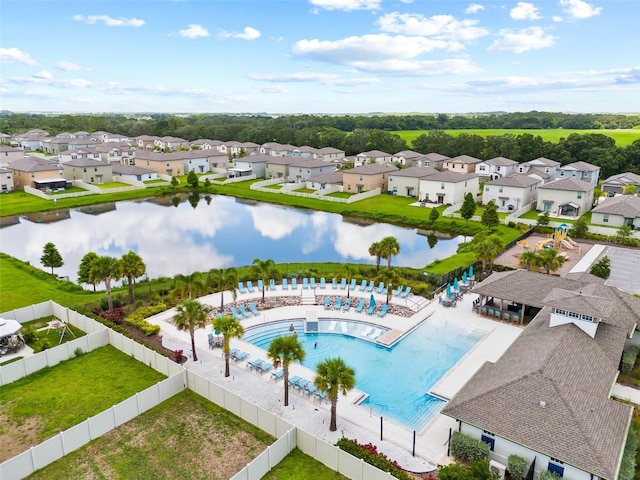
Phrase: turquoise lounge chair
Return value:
(233, 352)
(352, 284)
(285, 285)
(370, 287)
(380, 287)
(360, 306)
(305, 283)
(371, 309)
(250, 286)
(406, 292)
(303, 383)
(295, 379)
(253, 309)
(236, 314)
(260, 286)
(347, 304)
(363, 285)
(265, 367)
(310, 389)
(327, 303)
(334, 284)
(241, 356)
(323, 283)
(241, 287)
(277, 375)
(294, 283)
(272, 284)
(255, 363)
(338, 304)
(312, 283)
(244, 312)
(320, 395)
(383, 310)
(343, 284)
(398, 290)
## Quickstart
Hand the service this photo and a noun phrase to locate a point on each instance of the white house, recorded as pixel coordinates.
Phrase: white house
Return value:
(547, 168)
(373, 156)
(434, 160)
(276, 149)
(326, 180)
(6, 180)
(619, 182)
(566, 196)
(448, 187)
(77, 153)
(617, 211)
(250, 165)
(302, 170)
(134, 173)
(406, 157)
(406, 182)
(496, 167)
(581, 171)
(305, 151)
(512, 192)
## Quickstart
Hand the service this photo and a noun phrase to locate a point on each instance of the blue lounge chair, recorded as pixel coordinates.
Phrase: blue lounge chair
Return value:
(260, 286)
(310, 389)
(312, 283)
(352, 284)
(241, 356)
(244, 312)
(370, 287)
(305, 283)
(250, 286)
(320, 395)
(272, 284)
(360, 306)
(347, 304)
(277, 375)
(265, 367)
(334, 284)
(302, 383)
(285, 285)
(327, 303)
(371, 309)
(338, 304)
(233, 352)
(343, 284)
(255, 363)
(295, 379)
(406, 292)
(236, 314)
(383, 310)
(398, 290)
(323, 283)
(294, 283)
(254, 310)
(363, 285)
(380, 287)
(241, 287)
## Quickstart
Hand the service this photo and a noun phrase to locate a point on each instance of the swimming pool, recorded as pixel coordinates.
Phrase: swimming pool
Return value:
(396, 379)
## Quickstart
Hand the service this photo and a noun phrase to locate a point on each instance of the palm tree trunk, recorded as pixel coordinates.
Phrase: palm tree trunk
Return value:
(227, 373)
(377, 263)
(131, 290)
(285, 367)
(193, 345)
(333, 426)
(107, 287)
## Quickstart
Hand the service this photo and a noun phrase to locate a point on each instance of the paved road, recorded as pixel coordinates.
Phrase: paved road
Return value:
(625, 268)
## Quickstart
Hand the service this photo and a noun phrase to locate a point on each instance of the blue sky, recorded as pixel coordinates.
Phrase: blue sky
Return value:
(320, 56)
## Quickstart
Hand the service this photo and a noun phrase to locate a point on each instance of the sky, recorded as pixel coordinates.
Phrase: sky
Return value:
(320, 56)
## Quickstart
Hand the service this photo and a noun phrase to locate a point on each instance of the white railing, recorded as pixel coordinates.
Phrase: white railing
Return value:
(513, 217)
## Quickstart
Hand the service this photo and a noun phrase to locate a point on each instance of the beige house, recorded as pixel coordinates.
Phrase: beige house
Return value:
(617, 211)
(406, 182)
(162, 163)
(462, 164)
(372, 156)
(448, 187)
(330, 154)
(6, 180)
(88, 170)
(566, 196)
(367, 177)
(278, 167)
(30, 171)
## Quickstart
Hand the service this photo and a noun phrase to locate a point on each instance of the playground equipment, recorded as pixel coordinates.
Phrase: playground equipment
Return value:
(559, 238)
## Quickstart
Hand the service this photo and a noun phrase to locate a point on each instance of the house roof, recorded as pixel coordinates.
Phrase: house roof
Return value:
(310, 163)
(86, 162)
(374, 154)
(449, 176)
(436, 157)
(515, 180)
(568, 184)
(121, 169)
(416, 172)
(372, 169)
(578, 302)
(255, 158)
(580, 167)
(34, 164)
(622, 179)
(333, 177)
(542, 161)
(408, 154)
(329, 150)
(501, 162)
(464, 159)
(627, 206)
(307, 149)
(276, 160)
(166, 157)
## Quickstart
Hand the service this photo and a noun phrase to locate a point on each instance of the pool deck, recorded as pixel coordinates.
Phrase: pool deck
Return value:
(353, 421)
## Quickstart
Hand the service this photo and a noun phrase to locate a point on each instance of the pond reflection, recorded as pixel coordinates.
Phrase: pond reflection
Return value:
(182, 234)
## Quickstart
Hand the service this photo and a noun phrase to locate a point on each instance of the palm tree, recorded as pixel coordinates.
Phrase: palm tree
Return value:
(529, 259)
(104, 269)
(286, 349)
(334, 376)
(375, 250)
(549, 259)
(390, 248)
(223, 280)
(264, 270)
(388, 276)
(230, 327)
(486, 249)
(132, 268)
(191, 314)
(188, 286)
(348, 271)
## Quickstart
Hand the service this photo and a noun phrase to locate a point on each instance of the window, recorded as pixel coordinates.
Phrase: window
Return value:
(559, 311)
(489, 440)
(360, 177)
(442, 186)
(73, 157)
(605, 218)
(573, 315)
(587, 318)
(579, 195)
(486, 189)
(500, 189)
(556, 466)
(482, 168)
(391, 179)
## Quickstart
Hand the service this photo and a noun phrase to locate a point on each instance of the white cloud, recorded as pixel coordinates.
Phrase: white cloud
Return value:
(406, 1)
(109, 21)
(15, 55)
(347, 5)
(43, 74)
(273, 89)
(444, 27)
(532, 38)
(249, 33)
(70, 66)
(580, 9)
(422, 68)
(194, 31)
(309, 77)
(45, 78)
(473, 8)
(525, 11)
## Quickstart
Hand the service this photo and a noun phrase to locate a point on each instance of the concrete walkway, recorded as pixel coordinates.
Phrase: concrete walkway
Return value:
(629, 394)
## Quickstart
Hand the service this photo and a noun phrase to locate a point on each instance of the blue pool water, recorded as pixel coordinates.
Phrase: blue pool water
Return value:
(395, 379)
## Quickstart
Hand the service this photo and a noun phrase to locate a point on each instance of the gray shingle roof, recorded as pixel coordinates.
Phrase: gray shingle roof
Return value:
(374, 154)
(311, 163)
(86, 162)
(626, 205)
(501, 161)
(580, 166)
(277, 160)
(542, 161)
(34, 164)
(568, 184)
(372, 169)
(622, 179)
(464, 159)
(436, 157)
(449, 176)
(334, 177)
(415, 172)
(122, 169)
(515, 180)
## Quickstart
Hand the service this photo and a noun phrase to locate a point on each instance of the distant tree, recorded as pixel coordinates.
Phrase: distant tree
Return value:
(549, 259)
(132, 267)
(51, 257)
(264, 270)
(223, 280)
(390, 247)
(388, 276)
(286, 349)
(334, 377)
(229, 327)
(490, 218)
(192, 179)
(191, 315)
(543, 220)
(188, 286)
(602, 268)
(622, 236)
(105, 269)
(175, 182)
(528, 259)
(375, 251)
(486, 248)
(434, 214)
(468, 208)
(580, 228)
(85, 267)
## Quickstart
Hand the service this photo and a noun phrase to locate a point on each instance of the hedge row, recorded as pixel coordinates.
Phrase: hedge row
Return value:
(468, 449)
(138, 318)
(629, 357)
(369, 453)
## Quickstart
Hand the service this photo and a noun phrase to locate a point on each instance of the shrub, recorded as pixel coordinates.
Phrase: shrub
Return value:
(516, 466)
(468, 449)
(369, 453)
(547, 475)
(629, 357)
(137, 318)
(78, 351)
(104, 302)
(29, 334)
(628, 464)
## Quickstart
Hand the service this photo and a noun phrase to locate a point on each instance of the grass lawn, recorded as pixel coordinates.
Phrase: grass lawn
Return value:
(339, 195)
(108, 185)
(184, 437)
(69, 190)
(300, 466)
(51, 336)
(275, 186)
(533, 215)
(622, 137)
(151, 182)
(306, 190)
(53, 399)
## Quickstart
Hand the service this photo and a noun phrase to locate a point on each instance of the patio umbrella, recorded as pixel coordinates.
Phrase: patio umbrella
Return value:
(9, 327)
(471, 271)
(464, 277)
(372, 301)
(455, 284)
(448, 289)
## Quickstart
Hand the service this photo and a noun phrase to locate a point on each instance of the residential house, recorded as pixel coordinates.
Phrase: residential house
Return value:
(543, 167)
(9, 154)
(218, 161)
(240, 149)
(496, 167)
(373, 156)
(617, 211)
(330, 154)
(566, 196)
(82, 135)
(406, 182)
(88, 170)
(462, 164)
(133, 172)
(171, 164)
(202, 144)
(367, 177)
(276, 149)
(548, 397)
(171, 143)
(434, 160)
(73, 143)
(278, 167)
(581, 171)
(104, 137)
(512, 192)
(620, 182)
(324, 181)
(145, 142)
(305, 152)
(113, 154)
(6, 180)
(37, 132)
(255, 164)
(406, 157)
(302, 170)
(76, 154)
(65, 135)
(448, 187)
(30, 143)
(36, 172)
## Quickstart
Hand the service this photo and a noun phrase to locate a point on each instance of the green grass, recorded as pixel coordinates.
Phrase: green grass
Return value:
(339, 195)
(184, 437)
(300, 466)
(151, 182)
(69, 190)
(533, 215)
(56, 398)
(306, 190)
(107, 185)
(623, 137)
(50, 336)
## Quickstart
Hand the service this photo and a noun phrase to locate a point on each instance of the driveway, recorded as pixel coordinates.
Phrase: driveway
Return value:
(625, 268)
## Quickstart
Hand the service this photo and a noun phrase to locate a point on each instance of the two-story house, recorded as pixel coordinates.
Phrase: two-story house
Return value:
(496, 167)
(278, 167)
(171, 164)
(9, 154)
(448, 187)
(302, 170)
(88, 170)
(406, 182)
(432, 159)
(330, 154)
(462, 164)
(545, 167)
(566, 196)
(6, 180)
(36, 172)
(367, 177)
(77, 153)
(276, 149)
(373, 156)
(580, 171)
(512, 192)
(406, 157)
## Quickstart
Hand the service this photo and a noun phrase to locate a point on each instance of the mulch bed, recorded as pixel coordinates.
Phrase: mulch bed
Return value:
(154, 342)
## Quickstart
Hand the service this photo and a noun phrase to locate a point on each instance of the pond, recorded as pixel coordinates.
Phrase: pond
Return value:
(179, 236)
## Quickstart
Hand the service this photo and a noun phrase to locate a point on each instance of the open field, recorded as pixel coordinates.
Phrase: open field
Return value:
(622, 138)
(184, 437)
(53, 399)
